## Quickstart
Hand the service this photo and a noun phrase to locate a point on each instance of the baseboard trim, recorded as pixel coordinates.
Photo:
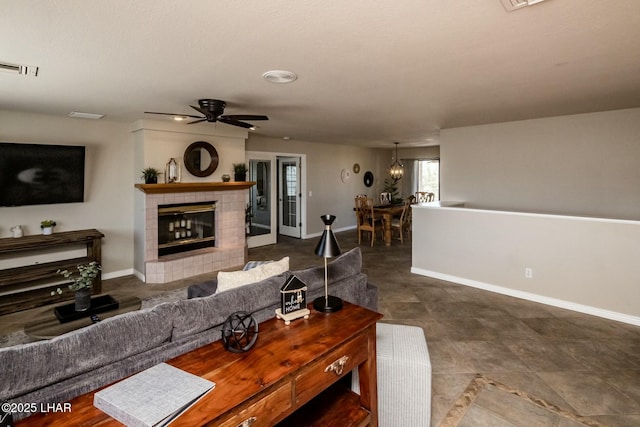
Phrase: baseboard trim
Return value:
(594, 311)
(120, 273)
(335, 230)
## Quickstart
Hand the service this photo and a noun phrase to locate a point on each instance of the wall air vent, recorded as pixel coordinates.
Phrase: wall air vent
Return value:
(23, 70)
(518, 4)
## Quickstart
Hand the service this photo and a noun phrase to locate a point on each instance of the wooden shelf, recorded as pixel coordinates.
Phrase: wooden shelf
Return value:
(194, 186)
(336, 406)
(30, 286)
(37, 241)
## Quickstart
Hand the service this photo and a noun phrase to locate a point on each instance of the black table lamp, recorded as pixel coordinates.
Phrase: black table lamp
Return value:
(327, 248)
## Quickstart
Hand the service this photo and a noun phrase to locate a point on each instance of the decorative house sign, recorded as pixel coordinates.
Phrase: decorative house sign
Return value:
(293, 300)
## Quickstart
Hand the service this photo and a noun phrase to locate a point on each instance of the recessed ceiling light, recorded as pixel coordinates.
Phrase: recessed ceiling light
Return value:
(179, 118)
(279, 76)
(77, 115)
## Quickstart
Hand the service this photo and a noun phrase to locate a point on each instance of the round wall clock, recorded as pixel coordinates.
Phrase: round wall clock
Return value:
(368, 178)
(345, 175)
(356, 168)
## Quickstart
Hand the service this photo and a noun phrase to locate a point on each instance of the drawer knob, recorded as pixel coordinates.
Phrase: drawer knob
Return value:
(248, 422)
(337, 366)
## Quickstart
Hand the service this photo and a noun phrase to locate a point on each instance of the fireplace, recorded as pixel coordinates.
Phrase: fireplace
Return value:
(185, 227)
(225, 240)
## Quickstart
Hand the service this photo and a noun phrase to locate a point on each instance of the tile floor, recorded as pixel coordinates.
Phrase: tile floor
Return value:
(581, 363)
(578, 362)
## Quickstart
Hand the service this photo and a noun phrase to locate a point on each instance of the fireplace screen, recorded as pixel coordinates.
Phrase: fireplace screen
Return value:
(185, 227)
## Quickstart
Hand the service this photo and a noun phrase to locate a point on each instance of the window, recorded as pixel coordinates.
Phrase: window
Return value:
(428, 176)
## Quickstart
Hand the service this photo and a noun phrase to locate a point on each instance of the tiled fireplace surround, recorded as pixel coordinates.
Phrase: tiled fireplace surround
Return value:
(230, 247)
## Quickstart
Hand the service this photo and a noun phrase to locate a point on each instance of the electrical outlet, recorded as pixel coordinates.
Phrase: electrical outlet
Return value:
(528, 273)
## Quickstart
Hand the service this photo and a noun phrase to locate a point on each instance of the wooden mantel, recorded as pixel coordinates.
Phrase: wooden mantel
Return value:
(193, 186)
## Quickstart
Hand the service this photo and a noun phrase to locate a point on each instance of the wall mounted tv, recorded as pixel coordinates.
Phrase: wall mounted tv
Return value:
(36, 174)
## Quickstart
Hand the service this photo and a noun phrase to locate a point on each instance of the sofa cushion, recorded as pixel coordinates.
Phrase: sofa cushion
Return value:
(199, 314)
(204, 289)
(233, 279)
(254, 264)
(83, 350)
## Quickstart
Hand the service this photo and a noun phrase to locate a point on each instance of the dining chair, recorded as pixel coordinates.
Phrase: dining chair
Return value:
(385, 198)
(367, 221)
(357, 203)
(424, 197)
(403, 224)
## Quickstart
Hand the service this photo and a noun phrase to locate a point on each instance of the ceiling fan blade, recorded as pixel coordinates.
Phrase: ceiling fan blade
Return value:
(202, 119)
(200, 110)
(232, 122)
(173, 114)
(244, 117)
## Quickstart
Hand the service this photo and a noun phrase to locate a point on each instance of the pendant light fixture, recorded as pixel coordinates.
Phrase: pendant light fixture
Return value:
(397, 169)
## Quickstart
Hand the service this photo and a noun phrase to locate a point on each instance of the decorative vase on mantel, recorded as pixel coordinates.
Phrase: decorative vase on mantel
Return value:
(83, 299)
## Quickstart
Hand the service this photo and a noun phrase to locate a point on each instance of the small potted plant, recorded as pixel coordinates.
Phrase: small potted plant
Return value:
(47, 226)
(240, 171)
(150, 175)
(81, 283)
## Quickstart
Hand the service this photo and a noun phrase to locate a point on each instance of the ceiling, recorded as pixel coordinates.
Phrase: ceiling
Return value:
(369, 72)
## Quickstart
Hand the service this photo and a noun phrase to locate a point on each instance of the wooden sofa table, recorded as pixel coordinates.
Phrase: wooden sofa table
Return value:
(289, 378)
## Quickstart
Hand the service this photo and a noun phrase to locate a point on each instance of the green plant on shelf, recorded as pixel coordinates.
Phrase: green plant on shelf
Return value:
(87, 273)
(240, 168)
(47, 223)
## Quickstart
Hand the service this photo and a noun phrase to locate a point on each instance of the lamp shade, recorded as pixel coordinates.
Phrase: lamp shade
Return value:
(328, 245)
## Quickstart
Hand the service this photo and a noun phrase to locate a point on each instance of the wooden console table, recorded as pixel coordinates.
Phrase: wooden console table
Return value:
(291, 377)
(29, 286)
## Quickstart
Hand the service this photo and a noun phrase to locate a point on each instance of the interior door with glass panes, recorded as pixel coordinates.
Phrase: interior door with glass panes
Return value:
(289, 196)
(262, 200)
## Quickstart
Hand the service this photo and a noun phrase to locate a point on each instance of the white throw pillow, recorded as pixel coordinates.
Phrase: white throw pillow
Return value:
(234, 279)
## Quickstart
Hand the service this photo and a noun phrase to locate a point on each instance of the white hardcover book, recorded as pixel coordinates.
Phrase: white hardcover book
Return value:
(153, 397)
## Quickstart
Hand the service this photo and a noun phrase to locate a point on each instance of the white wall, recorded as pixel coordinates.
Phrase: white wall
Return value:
(584, 264)
(585, 164)
(157, 141)
(109, 178)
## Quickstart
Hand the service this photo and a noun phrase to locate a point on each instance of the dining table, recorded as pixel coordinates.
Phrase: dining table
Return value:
(387, 212)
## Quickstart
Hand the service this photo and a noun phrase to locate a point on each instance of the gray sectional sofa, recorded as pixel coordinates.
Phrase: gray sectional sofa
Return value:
(57, 370)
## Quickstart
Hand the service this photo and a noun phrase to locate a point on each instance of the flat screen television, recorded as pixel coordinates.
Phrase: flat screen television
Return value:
(37, 174)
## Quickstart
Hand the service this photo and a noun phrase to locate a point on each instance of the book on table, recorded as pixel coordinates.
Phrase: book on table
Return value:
(153, 397)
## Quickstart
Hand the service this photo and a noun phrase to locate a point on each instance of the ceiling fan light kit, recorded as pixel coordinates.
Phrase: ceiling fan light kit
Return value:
(212, 111)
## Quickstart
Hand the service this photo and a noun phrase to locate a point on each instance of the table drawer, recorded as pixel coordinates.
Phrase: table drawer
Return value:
(263, 412)
(330, 368)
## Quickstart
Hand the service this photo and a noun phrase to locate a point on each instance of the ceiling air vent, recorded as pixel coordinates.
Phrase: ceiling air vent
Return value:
(24, 70)
(518, 4)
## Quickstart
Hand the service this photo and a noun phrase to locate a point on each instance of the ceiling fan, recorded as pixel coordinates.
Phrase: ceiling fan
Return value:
(213, 110)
